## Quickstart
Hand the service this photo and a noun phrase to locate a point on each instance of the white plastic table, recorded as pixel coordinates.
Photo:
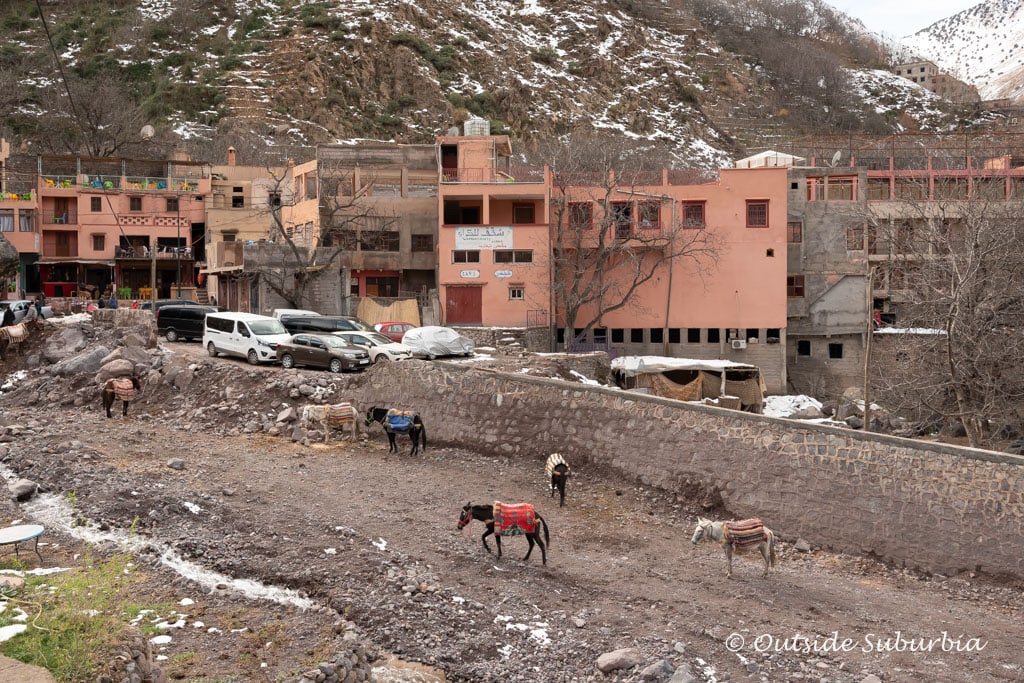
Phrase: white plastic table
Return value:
(14, 535)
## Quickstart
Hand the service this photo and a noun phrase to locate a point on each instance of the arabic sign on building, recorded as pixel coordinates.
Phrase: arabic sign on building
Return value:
(484, 237)
(503, 273)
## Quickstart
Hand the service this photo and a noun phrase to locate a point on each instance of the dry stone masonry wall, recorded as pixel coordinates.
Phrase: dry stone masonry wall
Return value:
(932, 507)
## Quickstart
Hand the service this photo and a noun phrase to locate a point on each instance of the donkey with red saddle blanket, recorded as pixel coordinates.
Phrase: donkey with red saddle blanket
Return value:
(503, 519)
(739, 536)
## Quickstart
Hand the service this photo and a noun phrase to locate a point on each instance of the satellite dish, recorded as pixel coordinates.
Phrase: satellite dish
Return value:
(835, 157)
(147, 132)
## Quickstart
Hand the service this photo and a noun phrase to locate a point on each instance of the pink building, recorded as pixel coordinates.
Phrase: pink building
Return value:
(107, 222)
(501, 224)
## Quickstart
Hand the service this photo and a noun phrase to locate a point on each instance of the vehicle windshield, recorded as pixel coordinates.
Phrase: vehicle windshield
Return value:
(378, 338)
(333, 342)
(360, 325)
(267, 327)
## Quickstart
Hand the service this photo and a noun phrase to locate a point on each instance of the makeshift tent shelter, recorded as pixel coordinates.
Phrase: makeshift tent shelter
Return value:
(727, 384)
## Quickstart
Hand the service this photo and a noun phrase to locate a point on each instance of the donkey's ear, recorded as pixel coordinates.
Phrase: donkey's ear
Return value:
(701, 520)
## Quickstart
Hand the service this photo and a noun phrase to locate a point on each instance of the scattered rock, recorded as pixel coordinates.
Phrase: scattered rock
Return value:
(625, 658)
(176, 464)
(802, 545)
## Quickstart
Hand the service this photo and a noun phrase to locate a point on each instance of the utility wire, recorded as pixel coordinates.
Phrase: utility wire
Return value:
(56, 58)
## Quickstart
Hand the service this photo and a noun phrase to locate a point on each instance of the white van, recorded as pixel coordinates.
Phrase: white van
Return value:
(280, 312)
(246, 335)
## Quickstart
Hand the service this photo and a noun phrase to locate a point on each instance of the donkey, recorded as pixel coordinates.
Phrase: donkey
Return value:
(397, 421)
(124, 388)
(330, 417)
(738, 535)
(557, 470)
(511, 520)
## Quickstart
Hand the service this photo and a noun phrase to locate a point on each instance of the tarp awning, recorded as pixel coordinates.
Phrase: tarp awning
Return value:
(74, 259)
(631, 366)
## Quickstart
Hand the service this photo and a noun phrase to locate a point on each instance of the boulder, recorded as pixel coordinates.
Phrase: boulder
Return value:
(22, 489)
(116, 368)
(138, 356)
(68, 341)
(657, 672)
(683, 675)
(84, 363)
(624, 658)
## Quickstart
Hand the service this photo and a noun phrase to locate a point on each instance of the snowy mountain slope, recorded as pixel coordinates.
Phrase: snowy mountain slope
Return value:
(983, 45)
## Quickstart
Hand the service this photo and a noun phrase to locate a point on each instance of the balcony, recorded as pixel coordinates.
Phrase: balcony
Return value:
(514, 174)
(65, 217)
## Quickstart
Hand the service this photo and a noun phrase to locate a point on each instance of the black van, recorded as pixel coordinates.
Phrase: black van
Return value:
(324, 324)
(176, 321)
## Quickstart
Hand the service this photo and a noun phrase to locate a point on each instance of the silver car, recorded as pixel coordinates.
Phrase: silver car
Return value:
(379, 346)
(433, 341)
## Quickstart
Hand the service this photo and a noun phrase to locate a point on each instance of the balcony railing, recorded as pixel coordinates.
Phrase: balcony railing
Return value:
(102, 182)
(60, 181)
(515, 174)
(67, 217)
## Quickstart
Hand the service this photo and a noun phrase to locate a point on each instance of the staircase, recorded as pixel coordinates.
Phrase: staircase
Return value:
(202, 296)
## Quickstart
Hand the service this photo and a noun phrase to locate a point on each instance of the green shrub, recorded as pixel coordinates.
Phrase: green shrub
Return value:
(545, 55)
(574, 68)
(690, 94)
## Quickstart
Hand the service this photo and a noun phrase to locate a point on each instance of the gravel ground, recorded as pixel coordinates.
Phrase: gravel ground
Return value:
(370, 540)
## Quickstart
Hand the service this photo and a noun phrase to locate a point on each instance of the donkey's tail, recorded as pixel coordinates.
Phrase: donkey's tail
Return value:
(547, 535)
(771, 547)
(423, 437)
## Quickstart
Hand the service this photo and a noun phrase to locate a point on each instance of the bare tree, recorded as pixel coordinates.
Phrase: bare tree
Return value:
(604, 247)
(956, 269)
(296, 253)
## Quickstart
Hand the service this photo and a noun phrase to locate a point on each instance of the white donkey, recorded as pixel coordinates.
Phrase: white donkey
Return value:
(738, 535)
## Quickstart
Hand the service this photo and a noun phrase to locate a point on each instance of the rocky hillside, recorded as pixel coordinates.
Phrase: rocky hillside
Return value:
(704, 79)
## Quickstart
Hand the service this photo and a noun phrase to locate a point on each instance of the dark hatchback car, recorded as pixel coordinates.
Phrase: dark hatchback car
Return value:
(322, 351)
(176, 321)
(324, 324)
(160, 303)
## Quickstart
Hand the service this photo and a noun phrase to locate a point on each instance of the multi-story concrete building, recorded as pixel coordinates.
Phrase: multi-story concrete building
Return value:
(946, 86)
(85, 225)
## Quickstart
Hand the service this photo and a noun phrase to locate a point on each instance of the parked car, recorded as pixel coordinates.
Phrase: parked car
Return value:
(322, 351)
(324, 324)
(160, 303)
(379, 347)
(246, 335)
(183, 322)
(393, 329)
(20, 308)
(282, 312)
(433, 341)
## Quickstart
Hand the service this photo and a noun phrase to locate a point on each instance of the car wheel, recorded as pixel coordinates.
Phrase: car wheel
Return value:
(253, 357)
(287, 361)
(431, 356)
(335, 365)
(171, 335)
(381, 358)
(212, 350)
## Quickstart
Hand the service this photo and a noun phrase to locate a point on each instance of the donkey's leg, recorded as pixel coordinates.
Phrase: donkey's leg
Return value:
(392, 447)
(488, 532)
(529, 539)
(543, 549)
(728, 561)
(764, 553)
(124, 408)
(497, 542)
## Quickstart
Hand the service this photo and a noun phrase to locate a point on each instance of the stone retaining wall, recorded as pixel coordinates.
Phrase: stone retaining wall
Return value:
(927, 506)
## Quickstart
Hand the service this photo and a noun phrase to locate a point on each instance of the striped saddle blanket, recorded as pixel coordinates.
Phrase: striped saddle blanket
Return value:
(15, 333)
(514, 520)
(124, 390)
(744, 532)
(554, 460)
(339, 414)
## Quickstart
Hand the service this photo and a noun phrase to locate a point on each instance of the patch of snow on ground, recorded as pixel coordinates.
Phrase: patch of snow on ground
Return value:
(784, 406)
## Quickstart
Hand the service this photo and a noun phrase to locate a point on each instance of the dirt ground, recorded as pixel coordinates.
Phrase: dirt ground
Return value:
(371, 540)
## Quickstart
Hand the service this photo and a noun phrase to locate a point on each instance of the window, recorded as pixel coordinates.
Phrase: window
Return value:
(99, 242)
(714, 335)
(657, 335)
(310, 186)
(135, 203)
(803, 347)
(753, 335)
(835, 350)
(465, 256)
(673, 335)
(513, 256)
(693, 214)
(649, 215)
(423, 243)
(757, 213)
(6, 220)
(636, 335)
(618, 335)
(515, 293)
(522, 213)
(95, 204)
(620, 215)
(855, 238)
(829, 188)
(794, 232)
(693, 335)
(581, 215)
(172, 204)
(274, 199)
(237, 201)
(380, 240)
(229, 237)
(794, 286)
(25, 222)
